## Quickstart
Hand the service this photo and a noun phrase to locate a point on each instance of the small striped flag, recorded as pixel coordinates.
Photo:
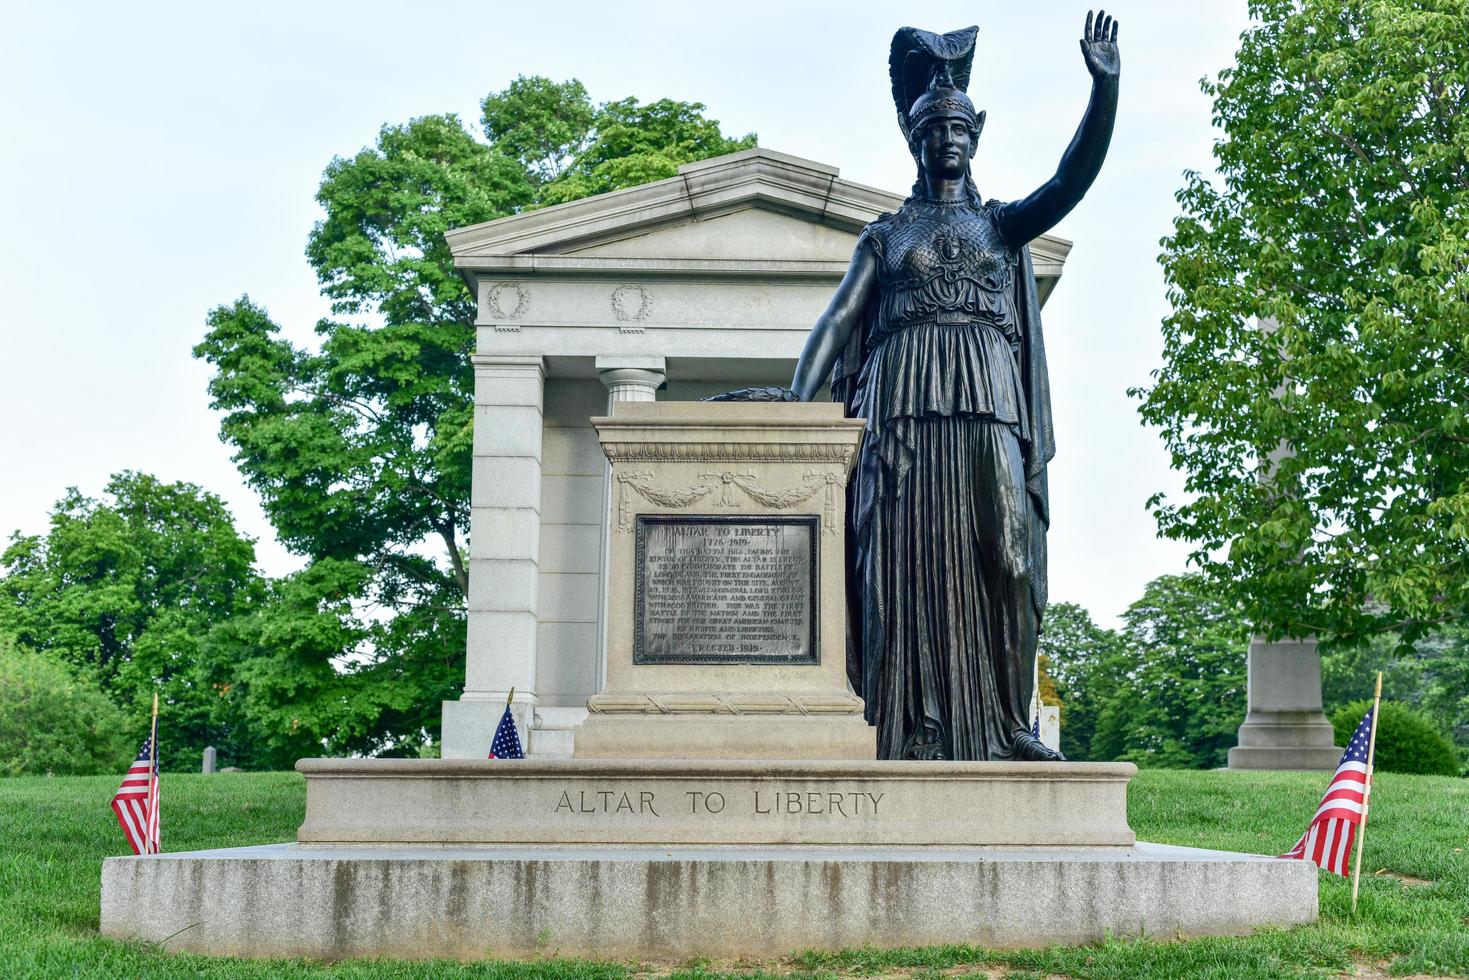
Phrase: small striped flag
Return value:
(1328, 840)
(136, 802)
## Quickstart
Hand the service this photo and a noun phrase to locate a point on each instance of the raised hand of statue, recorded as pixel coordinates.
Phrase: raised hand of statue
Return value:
(1099, 46)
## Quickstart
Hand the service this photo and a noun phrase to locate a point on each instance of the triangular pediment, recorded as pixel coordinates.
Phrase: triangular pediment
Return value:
(756, 180)
(754, 212)
(753, 233)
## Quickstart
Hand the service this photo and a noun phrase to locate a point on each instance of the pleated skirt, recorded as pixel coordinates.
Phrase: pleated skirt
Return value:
(948, 632)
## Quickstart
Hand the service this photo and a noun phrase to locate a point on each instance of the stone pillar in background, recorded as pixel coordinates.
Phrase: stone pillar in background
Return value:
(1048, 716)
(504, 558)
(209, 758)
(1284, 727)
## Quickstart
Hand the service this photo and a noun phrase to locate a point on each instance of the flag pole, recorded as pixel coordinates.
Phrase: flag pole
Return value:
(152, 769)
(1366, 793)
(153, 741)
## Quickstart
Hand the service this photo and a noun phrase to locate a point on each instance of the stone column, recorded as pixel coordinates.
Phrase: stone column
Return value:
(628, 379)
(1284, 726)
(504, 554)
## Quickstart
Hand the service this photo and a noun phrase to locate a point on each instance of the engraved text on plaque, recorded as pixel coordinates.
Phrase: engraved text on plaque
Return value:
(725, 590)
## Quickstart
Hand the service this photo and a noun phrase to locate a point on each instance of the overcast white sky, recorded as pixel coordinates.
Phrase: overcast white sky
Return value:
(159, 159)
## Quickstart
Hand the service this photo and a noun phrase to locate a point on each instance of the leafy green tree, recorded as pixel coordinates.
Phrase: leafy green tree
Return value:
(1347, 671)
(633, 143)
(1088, 664)
(1341, 214)
(1430, 673)
(316, 674)
(360, 447)
(54, 723)
(1445, 694)
(122, 590)
(1184, 694)
(542, 124)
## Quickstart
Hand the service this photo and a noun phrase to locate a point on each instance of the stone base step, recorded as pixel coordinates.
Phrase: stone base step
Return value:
(699, 801)
(329, 902)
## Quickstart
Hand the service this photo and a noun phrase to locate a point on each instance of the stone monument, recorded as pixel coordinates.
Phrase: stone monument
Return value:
(1284, 726)
(721, 795)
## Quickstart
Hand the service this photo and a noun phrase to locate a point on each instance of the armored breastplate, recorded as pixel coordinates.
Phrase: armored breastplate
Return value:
(946, 263)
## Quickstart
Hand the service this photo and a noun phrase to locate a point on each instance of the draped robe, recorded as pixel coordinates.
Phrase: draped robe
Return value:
(947, 510)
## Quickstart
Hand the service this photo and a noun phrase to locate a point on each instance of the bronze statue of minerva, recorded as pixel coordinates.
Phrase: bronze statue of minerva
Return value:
(934, 337)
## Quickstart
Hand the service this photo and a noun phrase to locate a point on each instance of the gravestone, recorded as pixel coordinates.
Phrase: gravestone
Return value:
(209, 759)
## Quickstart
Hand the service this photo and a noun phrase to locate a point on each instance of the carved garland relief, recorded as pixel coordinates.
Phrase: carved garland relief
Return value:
(723, 452)
(726, 482)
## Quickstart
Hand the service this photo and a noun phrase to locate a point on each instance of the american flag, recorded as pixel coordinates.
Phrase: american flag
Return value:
(506, 744)
(136, 802)
(1328, 840)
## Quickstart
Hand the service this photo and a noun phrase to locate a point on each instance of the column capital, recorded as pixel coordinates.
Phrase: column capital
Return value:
(613, 362)
(631, 379)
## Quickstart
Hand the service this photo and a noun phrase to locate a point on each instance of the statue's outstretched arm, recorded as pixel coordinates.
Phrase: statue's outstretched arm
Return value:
(834, 326)
(1021, 221)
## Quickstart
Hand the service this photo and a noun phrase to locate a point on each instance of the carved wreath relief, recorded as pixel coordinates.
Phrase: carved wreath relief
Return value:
(507, 301)
(631, 304)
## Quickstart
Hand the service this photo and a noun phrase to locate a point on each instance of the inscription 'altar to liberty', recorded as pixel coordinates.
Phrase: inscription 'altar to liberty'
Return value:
(725, 590)
(762, 802)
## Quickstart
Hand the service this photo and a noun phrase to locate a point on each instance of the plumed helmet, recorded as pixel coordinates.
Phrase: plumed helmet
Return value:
(930, 73)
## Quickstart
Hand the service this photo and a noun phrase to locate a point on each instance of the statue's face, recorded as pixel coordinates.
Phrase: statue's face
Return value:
(945, 148)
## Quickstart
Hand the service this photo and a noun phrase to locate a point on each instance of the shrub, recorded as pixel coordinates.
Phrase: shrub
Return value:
(52, 722)
(1407, 741)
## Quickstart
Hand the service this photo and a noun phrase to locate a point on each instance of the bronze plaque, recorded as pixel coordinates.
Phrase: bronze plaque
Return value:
(725, 590)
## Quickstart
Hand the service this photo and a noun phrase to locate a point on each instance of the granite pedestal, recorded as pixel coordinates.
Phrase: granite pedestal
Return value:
(716, 802)
(726, 585)
(676, 858)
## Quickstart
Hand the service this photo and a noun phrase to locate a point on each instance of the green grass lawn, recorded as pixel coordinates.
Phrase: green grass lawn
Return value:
(1413, 917)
